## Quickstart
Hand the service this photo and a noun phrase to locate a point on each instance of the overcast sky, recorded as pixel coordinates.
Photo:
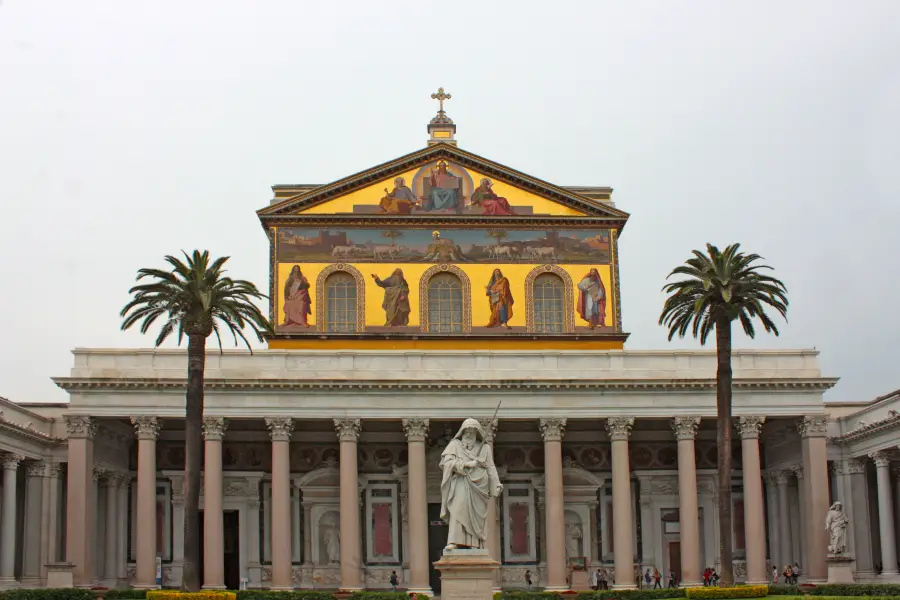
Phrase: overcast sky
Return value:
(130, 130)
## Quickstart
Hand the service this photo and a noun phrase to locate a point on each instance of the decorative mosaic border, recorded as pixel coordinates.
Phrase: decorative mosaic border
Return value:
(466, 295)
(360, 294)
(569, 299)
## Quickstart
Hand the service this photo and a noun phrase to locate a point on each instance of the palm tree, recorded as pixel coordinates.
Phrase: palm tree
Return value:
(196, 299)
(721, 287)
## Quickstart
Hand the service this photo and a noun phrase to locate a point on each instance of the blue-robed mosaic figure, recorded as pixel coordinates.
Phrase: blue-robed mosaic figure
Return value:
(444, 192)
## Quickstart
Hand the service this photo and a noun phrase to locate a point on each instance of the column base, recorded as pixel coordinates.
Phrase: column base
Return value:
(344, 590)
(423, 591)
(9, 583)
(144, 586)
(623, 586)
(213, 587)
(556, 588)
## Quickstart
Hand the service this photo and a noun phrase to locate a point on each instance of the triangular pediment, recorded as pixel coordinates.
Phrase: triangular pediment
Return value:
(442, 180)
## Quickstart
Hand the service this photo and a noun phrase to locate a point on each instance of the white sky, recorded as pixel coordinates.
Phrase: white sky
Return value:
(130, 130)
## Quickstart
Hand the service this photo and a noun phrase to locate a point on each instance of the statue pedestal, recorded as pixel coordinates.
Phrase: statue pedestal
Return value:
(467, 574)
(840, 568)
(579, 581)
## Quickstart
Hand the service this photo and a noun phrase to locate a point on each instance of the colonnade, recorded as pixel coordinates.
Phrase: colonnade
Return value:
(552, 430)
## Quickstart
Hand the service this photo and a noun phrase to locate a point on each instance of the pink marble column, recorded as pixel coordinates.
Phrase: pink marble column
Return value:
(351, 555)
(815, 467)
(281, 429)
(147, 429)
(555, 522)
(80, 502)
(885, 513)
(619, 429)
(754, 508)
(417, 505)
(492, 526)
(213, 519)
(8, 525)
(688, 503)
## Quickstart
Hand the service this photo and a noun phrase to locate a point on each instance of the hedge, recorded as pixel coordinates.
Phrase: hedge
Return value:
(786, 590)
(379, 596)
(125, 594)
(49, 594)
(633, 594)
(286, 595)
(177, 595)
(743, 591)
(525, 595)
(855, 589)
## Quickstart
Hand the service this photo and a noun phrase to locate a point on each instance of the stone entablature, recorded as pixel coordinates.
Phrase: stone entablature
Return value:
(387, 384)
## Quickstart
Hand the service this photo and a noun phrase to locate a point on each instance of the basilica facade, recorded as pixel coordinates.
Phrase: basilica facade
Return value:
(406, 298)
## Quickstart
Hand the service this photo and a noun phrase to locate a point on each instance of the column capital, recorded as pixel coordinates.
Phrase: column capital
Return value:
(619, 428)
(797, 470)
(882, 458)
(99, 473)
(146, 427)
(416, 429)
(36, 468)
(780, 477)
(552, 429)
(280, 428)
(117, 480)
(685, 428)
(214, 428)
(55, 469)
(348, 429)
(750, 426)
(78, 426)
(813, 426)
(11, 461)
(490, 428)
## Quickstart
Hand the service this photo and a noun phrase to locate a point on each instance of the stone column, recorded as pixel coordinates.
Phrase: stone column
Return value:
(79, 500)
(253, 506)
(754, 505)
(815, 468)
(49, 516)
(688, 503)
(111, 570)
(122, 561)
(885, 513)
(417, 505)
(213, 519)
(34, 522)
(492, 526)
(296, 541)
(281, 429)
(178, 485)
(555, 523)
(348, 434)
(307, 533)
(801, 494)
(98, 544)
(619, 429)
(784, 517)
(147, 429)
(8, 525)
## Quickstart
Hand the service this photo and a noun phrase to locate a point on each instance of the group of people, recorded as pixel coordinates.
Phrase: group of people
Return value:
(710, 577)
(654, 579)
(790, 573)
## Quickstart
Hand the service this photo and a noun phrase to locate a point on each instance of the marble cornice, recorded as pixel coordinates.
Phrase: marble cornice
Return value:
(25, 432)
(889, 423)
(74, 384)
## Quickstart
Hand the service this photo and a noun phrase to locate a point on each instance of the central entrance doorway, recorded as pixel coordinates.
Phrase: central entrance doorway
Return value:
(437, 539)
(230, 546)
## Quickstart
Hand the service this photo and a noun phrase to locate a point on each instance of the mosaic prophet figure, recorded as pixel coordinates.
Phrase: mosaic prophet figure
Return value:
(592, 299)
(396, 299)
(296, 298)
(501, 300)
(469, 481)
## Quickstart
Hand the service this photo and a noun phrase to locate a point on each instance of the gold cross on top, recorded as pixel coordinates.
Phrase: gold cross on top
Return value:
(440, 97)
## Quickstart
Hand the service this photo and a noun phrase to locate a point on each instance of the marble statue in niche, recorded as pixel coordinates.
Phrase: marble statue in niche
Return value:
(330, 534)
(574, 535)
(836, 522)
(469, 481)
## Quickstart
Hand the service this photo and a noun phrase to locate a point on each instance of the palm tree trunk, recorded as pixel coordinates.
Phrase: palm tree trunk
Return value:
(193, 450)
(723, 410)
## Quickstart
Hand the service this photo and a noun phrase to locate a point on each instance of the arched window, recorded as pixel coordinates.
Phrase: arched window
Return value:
(340, 302)
(549, 307)
(445, 304)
